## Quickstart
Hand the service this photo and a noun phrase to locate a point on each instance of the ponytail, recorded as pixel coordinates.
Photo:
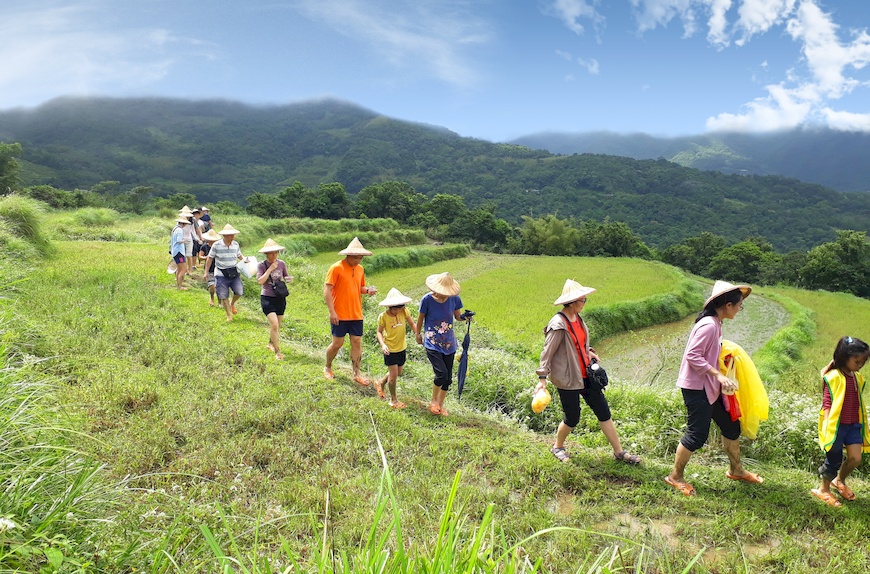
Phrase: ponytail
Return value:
(709, 310)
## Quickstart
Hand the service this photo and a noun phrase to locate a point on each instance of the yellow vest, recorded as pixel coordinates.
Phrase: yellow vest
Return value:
(828, 425)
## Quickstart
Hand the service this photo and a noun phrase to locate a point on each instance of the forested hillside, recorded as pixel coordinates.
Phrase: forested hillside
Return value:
(836, 159)
(219, 150)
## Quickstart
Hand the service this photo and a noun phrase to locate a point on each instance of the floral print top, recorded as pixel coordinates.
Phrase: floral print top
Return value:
(438, 332)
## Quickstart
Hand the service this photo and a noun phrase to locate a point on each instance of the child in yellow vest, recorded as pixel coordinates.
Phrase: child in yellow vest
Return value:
(843, 419)
(391, 336)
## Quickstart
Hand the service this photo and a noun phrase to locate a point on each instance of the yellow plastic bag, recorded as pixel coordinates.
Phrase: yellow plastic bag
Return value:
(754, 406)
(541, 399)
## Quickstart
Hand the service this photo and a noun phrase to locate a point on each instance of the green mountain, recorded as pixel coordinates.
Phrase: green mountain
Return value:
(835, 159)
(225, 150)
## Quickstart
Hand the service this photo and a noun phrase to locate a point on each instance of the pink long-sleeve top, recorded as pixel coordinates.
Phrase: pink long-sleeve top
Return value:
(701, 355)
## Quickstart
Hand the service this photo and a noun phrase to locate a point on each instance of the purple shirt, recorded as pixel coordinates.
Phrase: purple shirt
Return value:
(277, 275)
(701, 355)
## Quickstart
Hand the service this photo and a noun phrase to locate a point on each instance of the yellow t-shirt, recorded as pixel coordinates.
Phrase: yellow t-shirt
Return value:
(393, 329)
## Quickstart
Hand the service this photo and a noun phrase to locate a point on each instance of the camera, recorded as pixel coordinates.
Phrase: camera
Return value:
(468, 314)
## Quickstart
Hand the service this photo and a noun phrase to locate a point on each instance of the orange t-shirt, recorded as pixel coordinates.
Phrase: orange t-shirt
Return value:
(346, 283)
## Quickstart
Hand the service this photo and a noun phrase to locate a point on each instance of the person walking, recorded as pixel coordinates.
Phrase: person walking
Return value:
(176, 250)
(391, 336)
(226, 253)
(273, 277)
(566, 359)
(703, 384)
(342, 289)
(843, 419)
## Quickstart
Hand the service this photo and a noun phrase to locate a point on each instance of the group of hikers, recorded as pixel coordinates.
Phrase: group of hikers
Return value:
(567, 360)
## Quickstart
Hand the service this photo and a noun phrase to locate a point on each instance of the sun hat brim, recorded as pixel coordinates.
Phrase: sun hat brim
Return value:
(443, 284)
(722, 287)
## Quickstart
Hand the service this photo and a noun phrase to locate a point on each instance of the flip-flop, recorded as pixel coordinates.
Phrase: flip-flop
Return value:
(434, 409)
(327, 374)
(234, 310)
(745, 477)
(399, 405)
(826, 497)
(444, 412)
(560, 453)
(380, 389)
(279, 356)
(684, 487)
(361, 380)
(844, 490)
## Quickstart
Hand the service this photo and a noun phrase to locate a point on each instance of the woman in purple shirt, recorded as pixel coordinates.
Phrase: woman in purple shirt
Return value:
(702, 385)
(270, 272)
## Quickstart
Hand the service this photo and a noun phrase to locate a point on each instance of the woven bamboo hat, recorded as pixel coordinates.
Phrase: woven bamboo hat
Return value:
(572, 291)
(443, 284)
(211, 235)
(228, 230)
(182, 220)
(722, 287)
(270, 246)
(394, 298)
(355, 248)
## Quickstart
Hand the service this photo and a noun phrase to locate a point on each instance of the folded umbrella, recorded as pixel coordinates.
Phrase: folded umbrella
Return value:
(463, 362)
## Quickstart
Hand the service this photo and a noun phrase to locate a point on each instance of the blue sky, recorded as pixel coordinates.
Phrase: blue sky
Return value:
(492, 69)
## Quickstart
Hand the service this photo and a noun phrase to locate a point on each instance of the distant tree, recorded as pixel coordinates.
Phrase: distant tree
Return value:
(266, 206)
(227, 207)
(9, 168)
(842, 265)
(176, 201)
(743, 261)
(394, 199)
(137, 199)
(336, 200)
(548, 235)
(610, 239)
(446, 207)
(106, 187)
(695, 253)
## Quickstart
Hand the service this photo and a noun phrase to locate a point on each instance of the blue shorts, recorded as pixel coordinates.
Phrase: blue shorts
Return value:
(223, 285)
(352, 328)
(178, 258)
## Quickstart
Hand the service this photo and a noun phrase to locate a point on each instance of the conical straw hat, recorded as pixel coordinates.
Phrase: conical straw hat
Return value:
(228, 230)
(443, 284)
(270, 246)
(211, 235)
(394, 298)
(355, 248)
(572, 291)
(722, 287)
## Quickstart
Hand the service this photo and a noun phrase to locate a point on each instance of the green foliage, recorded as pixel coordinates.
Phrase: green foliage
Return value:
(370, 239)
(96, 217)
(780, 354)
(743, 262)
(22, 217)
(393, 199)
(226, 207)
(842, 265)
(415, 257)
(9, 168)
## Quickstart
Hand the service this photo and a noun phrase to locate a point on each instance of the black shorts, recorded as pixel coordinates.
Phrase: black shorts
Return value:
(178, 258)
(395, 358)
(699, 414)
(354, 328)
(275, 305)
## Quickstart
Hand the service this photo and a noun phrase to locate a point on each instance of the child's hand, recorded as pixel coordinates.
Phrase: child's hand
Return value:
(385, 349)
(419, 338)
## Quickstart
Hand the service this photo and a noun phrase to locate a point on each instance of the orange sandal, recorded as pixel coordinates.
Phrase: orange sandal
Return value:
(745, 477)
(826, 497)
(844, 490)
(684, 487)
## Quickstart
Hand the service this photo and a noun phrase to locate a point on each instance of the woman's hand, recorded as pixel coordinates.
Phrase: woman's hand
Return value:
(729, 387)
(542, 384)
(419, 338)
(288, 279)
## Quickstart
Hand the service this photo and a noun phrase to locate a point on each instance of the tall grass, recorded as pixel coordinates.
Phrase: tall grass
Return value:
(415, 257)
(783, 351)
(22, 217)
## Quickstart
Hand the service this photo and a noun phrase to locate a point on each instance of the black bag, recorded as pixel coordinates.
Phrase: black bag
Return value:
(596, 376)
(230, 272)
(280, 289)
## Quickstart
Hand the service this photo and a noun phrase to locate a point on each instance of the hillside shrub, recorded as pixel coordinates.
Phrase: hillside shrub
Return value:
(783, 350)
(608, 320)
(23, 218)
(370, 239)
(293, 225)
(415, 257)
(96, 216)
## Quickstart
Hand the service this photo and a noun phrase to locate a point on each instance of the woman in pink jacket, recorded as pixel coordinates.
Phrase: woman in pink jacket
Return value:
(702, 385)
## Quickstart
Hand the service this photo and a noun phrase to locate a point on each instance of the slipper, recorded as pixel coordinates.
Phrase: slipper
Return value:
(826, 497)
(745, 477)
(270, 346)
(327, 374)
(380, 389)
(560, 453)
(361, 380)
(844, 490)
(683, 487)
(279, 356)
(434, 409)
(627, 458)
(444, 412)
(234, 310)
(211, 304)
(398, 405)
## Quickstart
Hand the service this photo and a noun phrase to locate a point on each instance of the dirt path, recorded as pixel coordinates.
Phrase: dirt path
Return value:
(652, 356)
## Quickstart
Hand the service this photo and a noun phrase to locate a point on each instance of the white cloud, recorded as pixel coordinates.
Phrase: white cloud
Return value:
(591, 65)
(571, 12)
(52, 49)
(413, 35)
(847, 121)
(564, 55)
(781, 109)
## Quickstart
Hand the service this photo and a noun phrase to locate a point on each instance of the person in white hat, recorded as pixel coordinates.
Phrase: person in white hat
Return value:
(271, 274)
(206, 219)
(391, 336)
(566, 359)
(702, 385)
(209, 237)
(190, 232)
(438, 309)
(226, 253)
(342, 289)
(176, 250)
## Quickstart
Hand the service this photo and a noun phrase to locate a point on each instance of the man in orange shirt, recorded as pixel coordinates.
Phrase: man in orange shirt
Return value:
(345, 282)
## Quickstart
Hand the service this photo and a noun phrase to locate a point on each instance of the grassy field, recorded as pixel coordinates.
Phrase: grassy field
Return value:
(211, 446)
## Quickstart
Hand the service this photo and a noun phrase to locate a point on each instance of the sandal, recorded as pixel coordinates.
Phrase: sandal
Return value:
(444, 412)
(398, 405)
(560, 453)
(380, 389)
(844, 490)
(826, 497)
(327, 374)
(361, 380)
(745, 477)
(684, 487)
(627, 457)
(279, 356)
(434, 409)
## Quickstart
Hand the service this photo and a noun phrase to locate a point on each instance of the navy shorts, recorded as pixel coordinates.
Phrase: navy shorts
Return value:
(178, 258)
(275, 305)
(395, 358)
(352, 328)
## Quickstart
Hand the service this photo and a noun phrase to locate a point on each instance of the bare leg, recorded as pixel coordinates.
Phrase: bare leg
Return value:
(562, 434)
(680, 461)
(233, 304)
(332, 350)
(392, 376)
(355, 354)
(609, 430)
(227, 308)
(732, 449)
(274, 333)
